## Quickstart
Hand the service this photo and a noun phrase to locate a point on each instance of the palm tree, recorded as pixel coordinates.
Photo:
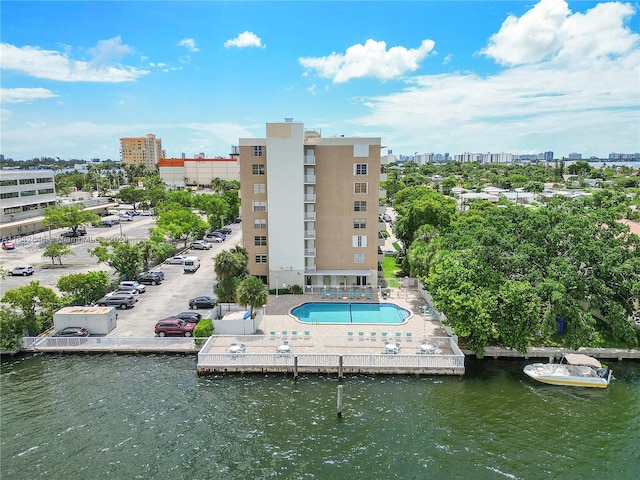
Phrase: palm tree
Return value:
(228, 265)
(147, 250)
(252, 292)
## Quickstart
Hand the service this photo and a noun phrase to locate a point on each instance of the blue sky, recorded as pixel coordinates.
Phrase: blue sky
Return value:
(453, 76)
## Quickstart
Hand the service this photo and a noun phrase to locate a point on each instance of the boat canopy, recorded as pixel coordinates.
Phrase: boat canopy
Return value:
(580, 359)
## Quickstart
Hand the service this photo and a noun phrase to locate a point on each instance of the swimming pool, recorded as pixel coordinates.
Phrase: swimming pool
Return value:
(327, 312)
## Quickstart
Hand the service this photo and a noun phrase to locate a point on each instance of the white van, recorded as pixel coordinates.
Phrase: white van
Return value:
(191, 264)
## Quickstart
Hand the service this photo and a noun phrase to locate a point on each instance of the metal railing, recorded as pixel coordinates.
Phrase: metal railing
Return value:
(155, 344)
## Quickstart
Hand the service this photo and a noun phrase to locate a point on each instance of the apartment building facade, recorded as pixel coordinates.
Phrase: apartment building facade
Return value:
(145, 151)
(197, 172)
(310, 207)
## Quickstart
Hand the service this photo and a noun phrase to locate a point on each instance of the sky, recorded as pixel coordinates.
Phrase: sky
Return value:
(521, 77)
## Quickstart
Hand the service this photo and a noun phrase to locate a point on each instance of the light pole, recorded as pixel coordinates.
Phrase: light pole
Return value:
(276, 285)
(406, 288)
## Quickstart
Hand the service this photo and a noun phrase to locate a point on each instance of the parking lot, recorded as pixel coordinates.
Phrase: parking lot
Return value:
(159, 301)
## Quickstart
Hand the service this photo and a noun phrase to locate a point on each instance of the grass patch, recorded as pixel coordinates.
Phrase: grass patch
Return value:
(396, 245)
(390, 267)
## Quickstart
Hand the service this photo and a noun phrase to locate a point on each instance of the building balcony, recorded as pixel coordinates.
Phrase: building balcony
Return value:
(309, 234)
(383, 193)
(382, 225)
(309, 198)
(310, 252)
(311, 179)
(309, 159)
(383, 177)
(381, 241)
(310, 269)
(382, 209)
(309, 216)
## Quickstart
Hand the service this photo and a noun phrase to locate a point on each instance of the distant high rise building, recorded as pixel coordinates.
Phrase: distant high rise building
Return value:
(575, 156)
(145, 151)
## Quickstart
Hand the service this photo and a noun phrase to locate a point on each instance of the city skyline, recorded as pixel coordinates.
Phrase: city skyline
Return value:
(425, 76)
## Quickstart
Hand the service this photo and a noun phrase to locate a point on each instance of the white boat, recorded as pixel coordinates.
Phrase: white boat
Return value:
(574, 370)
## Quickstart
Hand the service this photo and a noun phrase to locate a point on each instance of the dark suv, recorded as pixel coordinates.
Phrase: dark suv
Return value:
(174, 326)
(151, 278)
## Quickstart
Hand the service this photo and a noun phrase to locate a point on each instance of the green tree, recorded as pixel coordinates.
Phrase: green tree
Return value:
(70, 216)
(11, 329)
(132, 195)
(57, 251)
(148, 249)
(252, 292)
(122, 256)
(180, 224)
(36, 305)
(84, 288)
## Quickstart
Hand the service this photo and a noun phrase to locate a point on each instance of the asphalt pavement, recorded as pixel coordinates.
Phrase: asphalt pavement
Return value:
(159, 301)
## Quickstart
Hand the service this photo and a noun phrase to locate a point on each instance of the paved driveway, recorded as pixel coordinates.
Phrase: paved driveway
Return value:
(159, 301)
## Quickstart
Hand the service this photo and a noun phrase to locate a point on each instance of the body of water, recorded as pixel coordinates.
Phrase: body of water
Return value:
(342, 312)
(151, 417)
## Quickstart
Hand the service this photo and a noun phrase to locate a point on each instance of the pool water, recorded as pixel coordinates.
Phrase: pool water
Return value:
(327, 312)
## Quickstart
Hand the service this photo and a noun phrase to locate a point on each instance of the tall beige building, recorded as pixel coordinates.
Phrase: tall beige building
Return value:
(145, 151)
(310, 207)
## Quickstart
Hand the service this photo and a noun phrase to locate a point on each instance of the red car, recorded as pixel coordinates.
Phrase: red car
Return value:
(174, 326)
(8, 246)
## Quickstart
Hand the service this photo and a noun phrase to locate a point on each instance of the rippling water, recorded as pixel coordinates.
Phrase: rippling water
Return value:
(152, 417)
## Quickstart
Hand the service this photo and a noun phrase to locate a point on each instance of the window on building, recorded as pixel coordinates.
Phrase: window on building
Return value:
(27, 193)
(261, 258)
(359, 240)
(45, 190)
(257, 169)
(262, 278)
(360, 206)
(359, 258)
(260, 223)
(27, 181)
(259, 188)
(10, 210)
(260, 240)
(360, 187)
(258, 151)
(259, 206)
(361, 169)
(8, 183)
(359, 223)
(45, 180)
(9, 194)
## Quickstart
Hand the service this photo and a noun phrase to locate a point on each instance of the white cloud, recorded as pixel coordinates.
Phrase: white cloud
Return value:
(20, 95)
(312, 89)
(55, 65)
(245, 39)
(550, 32)
(189, 44)
(369, 60)
(581, 95)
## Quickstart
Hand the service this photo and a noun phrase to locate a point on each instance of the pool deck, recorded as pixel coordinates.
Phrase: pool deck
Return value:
(358, 348)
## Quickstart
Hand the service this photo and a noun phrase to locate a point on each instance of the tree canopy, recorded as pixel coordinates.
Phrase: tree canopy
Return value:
(504, 275)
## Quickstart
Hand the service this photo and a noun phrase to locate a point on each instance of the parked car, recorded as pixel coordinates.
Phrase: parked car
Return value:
(146, 213)
(174, 326)
(8, 246)
(81, 230)
(193, 317)
(150, 278)
(132, 284)
(23, 270)
(117, 300)
(177, 260)
(72, 332)
(133, 213)
(127, 291)
(212, 239)
(126, 218)
(213, 235)
(203, 301)
(201, 245)
(226, 230)
(70, 234)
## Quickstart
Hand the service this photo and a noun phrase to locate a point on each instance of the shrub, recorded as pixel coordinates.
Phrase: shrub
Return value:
(203, 329)
(296, 289)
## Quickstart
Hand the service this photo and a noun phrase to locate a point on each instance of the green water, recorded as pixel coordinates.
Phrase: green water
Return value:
(152, 417)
